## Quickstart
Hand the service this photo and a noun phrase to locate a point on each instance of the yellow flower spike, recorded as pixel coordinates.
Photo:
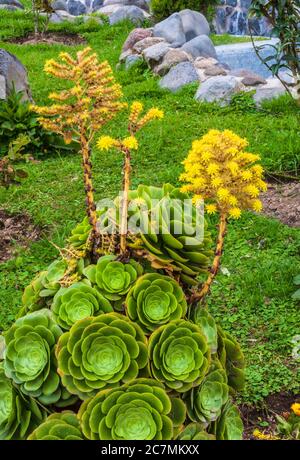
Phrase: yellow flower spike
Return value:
(211, 208)
(246, 175)
(130, 143)
(257, 206)
(235, 213)
(223, 194)
(155, 113)
(252, 191)
(106, 143)
(296, 408)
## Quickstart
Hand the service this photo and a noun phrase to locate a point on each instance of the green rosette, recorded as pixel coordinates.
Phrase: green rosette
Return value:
(63, 426)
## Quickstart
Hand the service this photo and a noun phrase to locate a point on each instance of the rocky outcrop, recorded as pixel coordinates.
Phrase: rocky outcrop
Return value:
(12, 74)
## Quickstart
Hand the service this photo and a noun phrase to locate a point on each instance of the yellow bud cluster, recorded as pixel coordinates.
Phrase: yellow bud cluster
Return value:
(220, 170)
(107, 142)
(136, 122)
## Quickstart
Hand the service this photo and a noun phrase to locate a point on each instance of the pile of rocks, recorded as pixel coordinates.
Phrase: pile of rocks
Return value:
(180, 51)
(11, 5)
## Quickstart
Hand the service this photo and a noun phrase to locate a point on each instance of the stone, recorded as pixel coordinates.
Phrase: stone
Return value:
(14, 74)
(218, 89)
(215, 70)
(140, 3)
(2, 87)
(171, 29)
(180, 75)
(200, 46)
(171, 58)
(76, 8)
(135, 36)
(14, 3)
(140, 46)
(9, 8)
(96, 5)
(60, 5)
(203, 63)
(110, 9)
(194, 24)
(133, 13)
(253, 81)
(273, 89)
(132, 60)
(60, 15)
(124, 56)
(155, 53)
(249, 78)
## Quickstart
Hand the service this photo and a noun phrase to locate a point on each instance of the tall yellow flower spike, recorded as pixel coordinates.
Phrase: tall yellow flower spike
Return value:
(79, 112)
(219, 170)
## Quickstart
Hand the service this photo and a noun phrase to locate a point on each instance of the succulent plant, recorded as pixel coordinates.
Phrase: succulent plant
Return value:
(195, 432)
(164, 238)
(139, 410)
(19, 415)
(80, 234)
(29, 356)
(232, 358)
(113, 278)
(179, 355)
(76, 302)
(229, 427)
(101, 352)
(206, 322)
(155, 300)
(63, 426)
(205, 402)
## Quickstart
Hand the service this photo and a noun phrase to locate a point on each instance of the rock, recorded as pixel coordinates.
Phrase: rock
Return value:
(203, 63)
(273, 89)
(140, 46)
(76, 8)
(60, 16)
(215, 70)
(96, 5)
(171, 29)
(180, 75)
(110, 9)
(218, 89)
(124, 56)
(200, 46)
(133, 13)
(155, 53)
(132, 60)
(194, 24)
(249, 78)
(140, 3)
(135, 36)
(9, 8)
(171, 58)
(12, 3)
(13, 73)
(60, 5)
(253, 81)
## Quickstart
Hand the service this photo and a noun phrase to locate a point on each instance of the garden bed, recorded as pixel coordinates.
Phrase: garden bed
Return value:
(50, 38)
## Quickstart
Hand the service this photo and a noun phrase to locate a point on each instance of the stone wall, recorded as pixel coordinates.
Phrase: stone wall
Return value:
(232, 17)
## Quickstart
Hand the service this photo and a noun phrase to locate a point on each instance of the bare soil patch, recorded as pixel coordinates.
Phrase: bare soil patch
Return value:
(50, 38)
(282, 201)
(16, 230)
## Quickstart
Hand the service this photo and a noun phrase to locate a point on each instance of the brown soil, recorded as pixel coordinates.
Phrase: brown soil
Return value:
(282, 201)
(50, 38)
(277, 404)
(16, 230)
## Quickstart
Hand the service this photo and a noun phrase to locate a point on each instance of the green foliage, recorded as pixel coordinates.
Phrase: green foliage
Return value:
(29, 356)
(205, 402)
(289, 428)
(229, 427)
(164, 8)
(179, 355)
(80, 234)
(155, 300)
(9, 173)
(77, 302)
(99, 353)
(206, 322)
(63, 426)
(296, 295)
(195, 432)
(19, 414)
(232, 358)
(136, 411)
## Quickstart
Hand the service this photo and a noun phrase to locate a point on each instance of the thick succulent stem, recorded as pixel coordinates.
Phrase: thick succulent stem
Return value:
(89, 191)
(198, 296)
(124, 213)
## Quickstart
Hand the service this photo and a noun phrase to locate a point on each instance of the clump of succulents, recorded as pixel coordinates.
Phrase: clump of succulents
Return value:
(229, 426)
(155, 300)
(77, 302)
(19, 414)
(179, 355)
(63, 426)
(99, 353)
(206, 322)
(29, 359)
(139, 410)
(195, 432)
(232, 358)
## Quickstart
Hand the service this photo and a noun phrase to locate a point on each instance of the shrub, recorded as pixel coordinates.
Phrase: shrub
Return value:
(164, 8)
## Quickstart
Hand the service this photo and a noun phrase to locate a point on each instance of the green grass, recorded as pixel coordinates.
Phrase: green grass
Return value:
(262, 255)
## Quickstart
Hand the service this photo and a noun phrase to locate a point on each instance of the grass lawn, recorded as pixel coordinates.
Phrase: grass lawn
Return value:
(252, 298)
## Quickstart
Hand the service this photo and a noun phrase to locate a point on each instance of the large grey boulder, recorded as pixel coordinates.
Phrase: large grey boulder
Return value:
(59, 5)
(218, 89)
(155, 53)
(194, 24)
(13, 74)
(180, 75)
(133, 13)
(171, 29)
(200, 46)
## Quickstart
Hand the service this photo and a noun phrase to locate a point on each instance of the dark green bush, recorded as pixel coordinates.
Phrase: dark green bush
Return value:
(164, 8)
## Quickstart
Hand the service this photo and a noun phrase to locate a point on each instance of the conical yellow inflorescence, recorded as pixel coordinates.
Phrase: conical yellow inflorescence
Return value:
(220, 171)
(92, 100)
